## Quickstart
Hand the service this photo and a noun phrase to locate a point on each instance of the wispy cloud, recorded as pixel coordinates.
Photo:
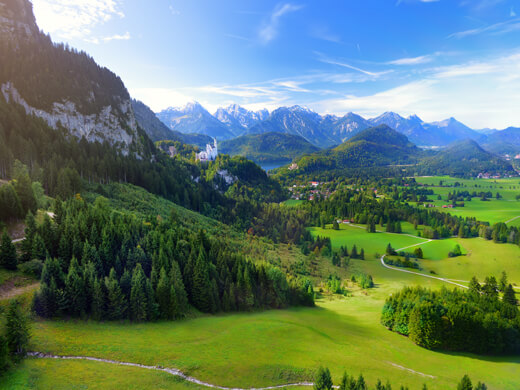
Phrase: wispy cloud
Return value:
(343, 64)
(512, 12)
(413, 60)
(494, 29)
(75, 19)
(173, 10)
(269, 30)
(324, 33)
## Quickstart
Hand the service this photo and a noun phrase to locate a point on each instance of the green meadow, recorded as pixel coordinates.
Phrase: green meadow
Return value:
(283, 346)
(505, 209)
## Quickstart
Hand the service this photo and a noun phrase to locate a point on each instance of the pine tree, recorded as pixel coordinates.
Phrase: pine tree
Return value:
(509, 295)
(323, 379)
(360, 383)
(99, 300)
(362, 254)
(201, 293)
(117, 305)
(347, 382)
(17, 330)
(152, 309)
(8, 258)
(180, 292)
(138, 302)
(389, 250)
(23, 188)
(481, 386)
(353, 252)
(75, 291)
(465, 384)
(418, 252)
(503, 282)
(38, 250)
(163, 296)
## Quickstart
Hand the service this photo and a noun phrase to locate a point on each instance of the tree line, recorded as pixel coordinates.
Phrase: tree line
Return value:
(100, 263)
(476, 320)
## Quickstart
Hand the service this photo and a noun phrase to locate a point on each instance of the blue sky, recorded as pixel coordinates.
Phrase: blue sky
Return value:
(432, 58)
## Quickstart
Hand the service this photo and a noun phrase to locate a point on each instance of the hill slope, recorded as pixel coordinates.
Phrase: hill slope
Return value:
(465, 159)
(158, 131)
(268, 147)
(374, 147)
(93, 104)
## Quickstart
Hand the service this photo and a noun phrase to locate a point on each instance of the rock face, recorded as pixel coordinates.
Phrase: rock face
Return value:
(105, 126)
(63, 87)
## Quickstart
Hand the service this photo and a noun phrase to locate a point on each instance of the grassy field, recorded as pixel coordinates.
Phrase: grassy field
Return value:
(47, 374)
(277, 347)
(502, 210)
(293, 202)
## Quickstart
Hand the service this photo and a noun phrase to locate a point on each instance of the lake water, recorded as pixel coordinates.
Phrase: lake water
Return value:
(272, 165)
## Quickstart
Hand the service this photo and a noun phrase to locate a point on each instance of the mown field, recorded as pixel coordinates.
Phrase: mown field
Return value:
(505, 209)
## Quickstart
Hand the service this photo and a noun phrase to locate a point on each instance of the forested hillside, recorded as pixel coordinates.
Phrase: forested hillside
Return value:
(268, 147)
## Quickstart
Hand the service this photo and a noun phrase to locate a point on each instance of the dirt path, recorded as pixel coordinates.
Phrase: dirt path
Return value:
(418, 273)
(512, 219)
(8, 290)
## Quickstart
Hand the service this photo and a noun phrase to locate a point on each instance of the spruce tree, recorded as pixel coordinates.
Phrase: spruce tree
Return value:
(509, 295)
(323, 379)
(201, 294)
(38, 250)
(360, 383)
(17, 330)
(180, 291)
(138, 301)
(362, 254)
(75, 291)
(465, 384)
(8, 258)
(117, 305)
(163, 296)
(99, 301)
(353, 252)
(503, 282)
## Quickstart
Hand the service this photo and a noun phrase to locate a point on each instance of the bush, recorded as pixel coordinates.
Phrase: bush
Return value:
(32, 268)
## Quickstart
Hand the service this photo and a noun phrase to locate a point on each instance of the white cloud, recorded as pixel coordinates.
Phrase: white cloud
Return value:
(116, 37)
(269, 30)
(493, 29)
(160, 98)
(75, 19)
(489, 98)
(413, 60)
(348, 66)
(173, 10)
(512, 13)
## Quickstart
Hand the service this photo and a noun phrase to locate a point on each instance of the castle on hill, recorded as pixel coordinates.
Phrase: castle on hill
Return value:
(210, 153)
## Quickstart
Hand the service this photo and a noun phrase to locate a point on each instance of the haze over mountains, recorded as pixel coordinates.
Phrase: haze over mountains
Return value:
(328, 130)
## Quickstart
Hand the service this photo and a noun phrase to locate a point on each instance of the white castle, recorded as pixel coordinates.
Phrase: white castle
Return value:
(210, 153)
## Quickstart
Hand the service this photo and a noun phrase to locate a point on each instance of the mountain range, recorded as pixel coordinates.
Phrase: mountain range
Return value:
(385, 148)
(327, 131)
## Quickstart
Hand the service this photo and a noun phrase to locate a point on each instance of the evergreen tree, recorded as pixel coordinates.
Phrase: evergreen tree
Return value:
(509, 295)
(323, 379)
(360, 383)
(10, 206)
(418, 252)
(17, 330)
(23, 188)
(138, 302)
(201, 284)
(8, 258)
(362, 254)
(353, 252)
(465, 384)
(335, 225)
(117, 305)
(180, 292)
(99, 301)
(163, 296)
(503, 282)
(474, 287)
(75, 291)
(347, 382)
(38, 250)
(481, 386)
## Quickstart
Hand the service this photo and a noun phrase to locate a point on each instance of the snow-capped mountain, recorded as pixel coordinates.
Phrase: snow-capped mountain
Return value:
(239, 119)
(193, 118)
